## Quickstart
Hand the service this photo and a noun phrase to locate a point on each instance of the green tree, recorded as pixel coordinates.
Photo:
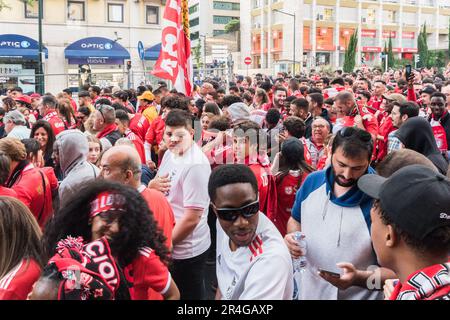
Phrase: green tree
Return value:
(197, 51)
(350, 53)
(390, 54)
(422, 46)
(4, 5)
(234, 26)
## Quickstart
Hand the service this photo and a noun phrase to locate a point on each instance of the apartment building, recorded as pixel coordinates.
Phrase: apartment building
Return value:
(100, 36)
(323, 28)
(207, 23)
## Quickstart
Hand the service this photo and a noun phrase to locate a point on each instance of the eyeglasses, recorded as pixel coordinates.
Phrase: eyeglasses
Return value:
(231, 214)
(347, 132)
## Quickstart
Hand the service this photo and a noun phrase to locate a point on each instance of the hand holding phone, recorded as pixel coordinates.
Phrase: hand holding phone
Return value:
(330, 273)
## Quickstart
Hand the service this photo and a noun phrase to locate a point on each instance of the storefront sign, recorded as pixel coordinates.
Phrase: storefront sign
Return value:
(408, 35)
(371, 49)
(369, 33)
(387, 34)
(18, 46)
(96, 60)
(10, 69)
(409, 50)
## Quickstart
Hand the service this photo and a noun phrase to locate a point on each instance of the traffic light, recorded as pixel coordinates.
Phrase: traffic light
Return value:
(128, 64)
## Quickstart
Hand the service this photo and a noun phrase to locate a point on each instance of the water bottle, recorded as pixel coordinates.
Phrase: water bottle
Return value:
(300, 262)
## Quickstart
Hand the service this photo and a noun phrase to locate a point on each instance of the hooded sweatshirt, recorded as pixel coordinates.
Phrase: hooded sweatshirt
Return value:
(337, 229)
(73, 149)
(239, 111)
(416, 134)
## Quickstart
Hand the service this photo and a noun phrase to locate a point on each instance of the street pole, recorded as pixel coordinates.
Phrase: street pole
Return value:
(40, 68)
(293, 72)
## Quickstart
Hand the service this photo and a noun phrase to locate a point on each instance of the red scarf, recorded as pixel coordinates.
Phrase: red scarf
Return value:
(107, 130)
(431, 283)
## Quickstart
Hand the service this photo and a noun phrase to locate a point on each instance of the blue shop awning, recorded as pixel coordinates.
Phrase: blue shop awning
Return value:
(152, 53)
(96, 50)
(18, 46)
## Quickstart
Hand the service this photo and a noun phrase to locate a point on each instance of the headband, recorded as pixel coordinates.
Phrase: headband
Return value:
(107, 201)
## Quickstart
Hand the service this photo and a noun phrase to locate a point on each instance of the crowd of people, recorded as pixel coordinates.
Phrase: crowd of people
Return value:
(133, 194)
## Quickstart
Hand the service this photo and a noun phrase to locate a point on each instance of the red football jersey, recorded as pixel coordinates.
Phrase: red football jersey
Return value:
(18, 283)
(137, 143)
(147, 272)
(56, 122)
(287, 187)
(7, 192)
(139, 125)
(267, 189)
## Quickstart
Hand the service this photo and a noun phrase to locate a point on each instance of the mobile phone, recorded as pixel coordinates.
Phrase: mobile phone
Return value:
(408, 70)
(329, 273)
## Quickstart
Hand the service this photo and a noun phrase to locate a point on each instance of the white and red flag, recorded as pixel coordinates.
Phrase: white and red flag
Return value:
(174, 62)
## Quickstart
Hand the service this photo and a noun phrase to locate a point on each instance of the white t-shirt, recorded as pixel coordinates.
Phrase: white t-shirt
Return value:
(261, 271)
(189, 176)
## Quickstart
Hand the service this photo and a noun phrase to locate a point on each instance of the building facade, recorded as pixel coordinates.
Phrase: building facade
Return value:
(323, 28)
(207, 24)
(85, 40)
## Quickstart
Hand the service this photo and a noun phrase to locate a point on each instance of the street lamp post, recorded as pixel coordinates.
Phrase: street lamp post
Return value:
(293, 51)
(204, 51)
(41, 69)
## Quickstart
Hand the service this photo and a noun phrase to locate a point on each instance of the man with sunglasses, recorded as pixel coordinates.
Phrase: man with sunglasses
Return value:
(335, 217)
(253, 263)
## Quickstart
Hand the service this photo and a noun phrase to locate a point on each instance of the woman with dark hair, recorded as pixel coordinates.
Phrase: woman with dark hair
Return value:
(117, 213)
(211, 107)
(290, 171)
(20, 250)
(42, 131)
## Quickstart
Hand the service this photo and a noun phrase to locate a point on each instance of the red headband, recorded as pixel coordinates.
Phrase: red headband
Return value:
(107, 201)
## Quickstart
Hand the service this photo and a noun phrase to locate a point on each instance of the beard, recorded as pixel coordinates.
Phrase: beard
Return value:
(340, 180)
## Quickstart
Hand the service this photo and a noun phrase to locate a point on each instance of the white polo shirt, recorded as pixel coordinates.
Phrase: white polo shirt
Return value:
(189, 176)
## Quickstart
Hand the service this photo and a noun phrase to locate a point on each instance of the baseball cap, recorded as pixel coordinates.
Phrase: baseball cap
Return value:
(415, 198)
(397, 97)
(147, 95)
(23, 98)
(428, 90)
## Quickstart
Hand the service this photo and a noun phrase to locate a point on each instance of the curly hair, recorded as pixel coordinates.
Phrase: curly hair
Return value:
(137, 225)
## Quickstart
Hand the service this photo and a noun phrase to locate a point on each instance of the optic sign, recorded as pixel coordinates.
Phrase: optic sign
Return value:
(167, 64)
(248, 60)
(15, 44)
(98, 46)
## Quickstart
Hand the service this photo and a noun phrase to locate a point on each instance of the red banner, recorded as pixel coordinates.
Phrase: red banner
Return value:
(371, 49)
(174, 62)
(408, 35)
(392, 34)
(369, 33)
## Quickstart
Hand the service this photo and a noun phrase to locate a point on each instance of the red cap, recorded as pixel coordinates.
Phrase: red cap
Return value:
(25, 99)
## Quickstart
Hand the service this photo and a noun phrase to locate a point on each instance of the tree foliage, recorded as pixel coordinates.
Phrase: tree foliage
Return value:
(422, 46)
(233, 26)
(350, 53)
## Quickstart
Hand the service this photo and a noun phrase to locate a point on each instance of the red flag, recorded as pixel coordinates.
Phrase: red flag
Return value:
(175, 63)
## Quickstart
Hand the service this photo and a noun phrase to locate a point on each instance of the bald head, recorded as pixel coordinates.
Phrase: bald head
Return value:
(122, 164)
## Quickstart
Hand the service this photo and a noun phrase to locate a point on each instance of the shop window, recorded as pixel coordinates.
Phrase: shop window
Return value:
(152, 15)
(223, 19)
(31, 10)
(75, 11)
(115, 12)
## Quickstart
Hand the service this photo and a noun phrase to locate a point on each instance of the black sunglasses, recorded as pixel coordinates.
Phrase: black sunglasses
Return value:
(347, 132)
(231, 214)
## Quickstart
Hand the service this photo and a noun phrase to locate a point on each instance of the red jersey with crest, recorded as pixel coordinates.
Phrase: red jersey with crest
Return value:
(55, 121)
(147, 272)
(287, 187)
(266, 187)
(139, 125)
(17, 284)
(130, 135)
(155, 132)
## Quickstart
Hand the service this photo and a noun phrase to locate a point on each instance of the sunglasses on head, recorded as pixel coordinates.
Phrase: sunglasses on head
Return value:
(347, 132)
(231, 214)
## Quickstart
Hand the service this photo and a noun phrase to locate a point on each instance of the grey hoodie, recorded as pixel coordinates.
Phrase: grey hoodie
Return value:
(73, 148)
